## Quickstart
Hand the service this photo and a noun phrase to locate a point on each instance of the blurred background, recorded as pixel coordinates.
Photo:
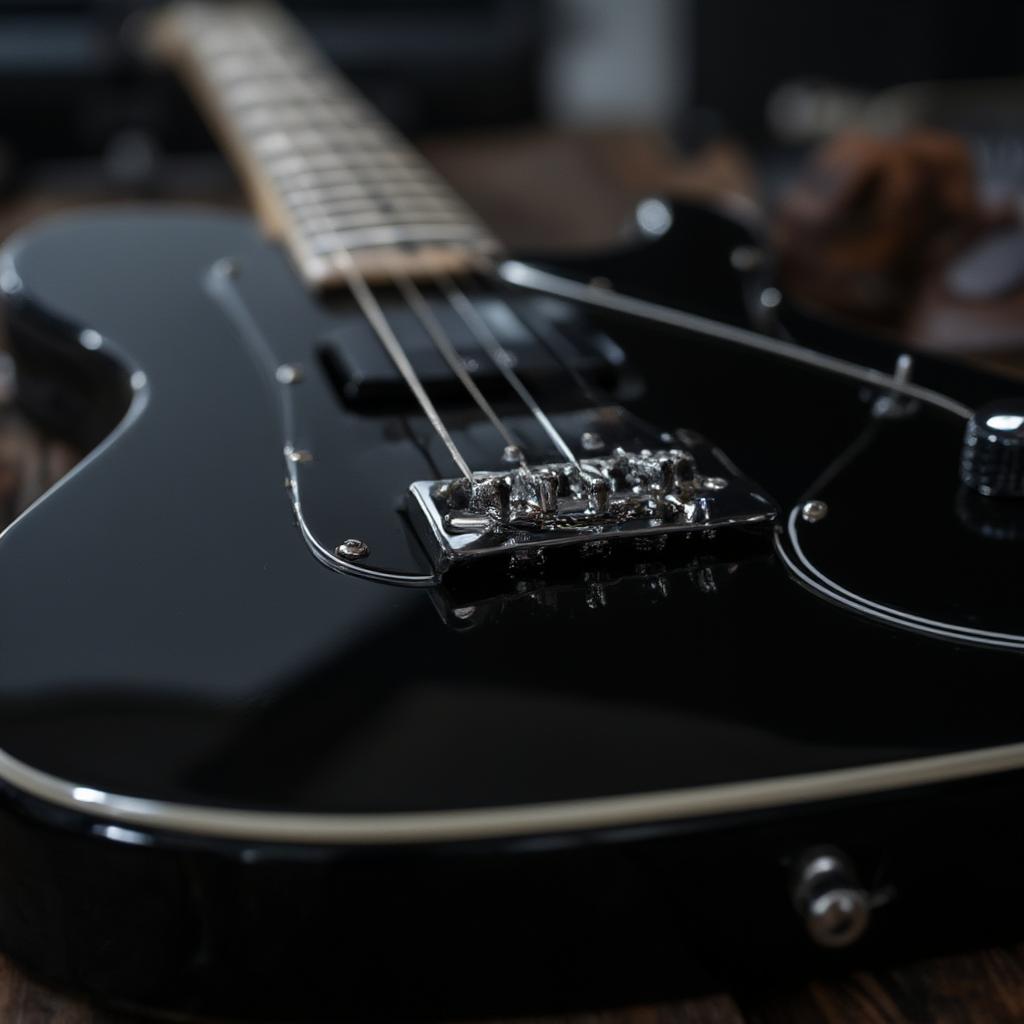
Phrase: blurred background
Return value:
(876, 152)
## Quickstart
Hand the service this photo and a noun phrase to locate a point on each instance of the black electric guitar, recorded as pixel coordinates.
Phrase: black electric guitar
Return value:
(429, 631)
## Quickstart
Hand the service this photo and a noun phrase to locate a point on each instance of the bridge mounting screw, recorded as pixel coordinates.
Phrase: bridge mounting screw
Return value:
(288, 373)
(591, 442)
(352, 549)
(813, 511)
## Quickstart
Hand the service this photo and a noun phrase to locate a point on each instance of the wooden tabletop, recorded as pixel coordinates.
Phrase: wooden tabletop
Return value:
(986, 987)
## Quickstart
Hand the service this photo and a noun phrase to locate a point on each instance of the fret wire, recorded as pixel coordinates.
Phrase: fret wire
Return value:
(349, 133)
(346, 184)
(311, 141)
(290, 89)
(312, 220)
(359, 238)
(236, 67)
(287, 86)
(265, 118)
(357, 192)
(344, 139)
(328, 161)
(365, 204)
(379, 218)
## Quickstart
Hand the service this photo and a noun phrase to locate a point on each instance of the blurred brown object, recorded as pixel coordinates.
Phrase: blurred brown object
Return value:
(561, 191)
(974, 305)
(872, 218)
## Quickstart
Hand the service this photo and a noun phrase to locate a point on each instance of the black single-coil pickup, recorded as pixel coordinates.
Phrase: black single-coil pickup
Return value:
(551, 345)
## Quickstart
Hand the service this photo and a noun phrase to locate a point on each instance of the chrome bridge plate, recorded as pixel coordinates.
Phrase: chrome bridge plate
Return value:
(686, 486)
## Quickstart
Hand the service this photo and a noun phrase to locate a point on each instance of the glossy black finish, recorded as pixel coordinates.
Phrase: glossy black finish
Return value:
(167, 633)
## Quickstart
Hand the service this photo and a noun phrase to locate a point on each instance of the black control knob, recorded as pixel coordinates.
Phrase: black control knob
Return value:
(992, 461)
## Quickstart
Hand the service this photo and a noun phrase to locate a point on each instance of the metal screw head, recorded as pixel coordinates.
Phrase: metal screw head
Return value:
(714, 483)
(835, 907)
(591, 442)
(299, 455)
(838, 917)
(352, 549)
(813, 511)
(512, 454)
(288, 373)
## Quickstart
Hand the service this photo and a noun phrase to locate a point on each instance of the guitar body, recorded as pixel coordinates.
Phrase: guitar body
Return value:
(240, 781)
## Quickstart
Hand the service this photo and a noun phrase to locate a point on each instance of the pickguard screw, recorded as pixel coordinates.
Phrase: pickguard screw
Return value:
(591, 442)
(352, 549)
(813, 511)
(715, 483)
(288, 373)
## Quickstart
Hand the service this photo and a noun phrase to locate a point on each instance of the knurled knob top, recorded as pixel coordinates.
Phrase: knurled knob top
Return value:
(992, 460)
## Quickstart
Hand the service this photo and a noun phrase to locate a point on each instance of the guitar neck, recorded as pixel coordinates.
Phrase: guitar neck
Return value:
(326, 175)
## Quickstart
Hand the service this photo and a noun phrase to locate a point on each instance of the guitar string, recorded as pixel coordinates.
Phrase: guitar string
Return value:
(374, 313)
(502, 359)
(419, 305)
(552, 339)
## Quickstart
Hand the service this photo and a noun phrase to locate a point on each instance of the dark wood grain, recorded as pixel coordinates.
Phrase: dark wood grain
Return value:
(964, 989)
(986, 987)
(23, 1001)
